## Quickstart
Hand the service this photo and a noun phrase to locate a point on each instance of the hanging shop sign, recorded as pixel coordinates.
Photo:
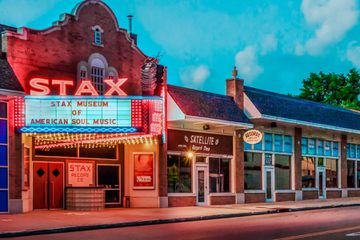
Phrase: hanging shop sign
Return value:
(80, 174)
(252, 136)
(184, 141)
(144, 171)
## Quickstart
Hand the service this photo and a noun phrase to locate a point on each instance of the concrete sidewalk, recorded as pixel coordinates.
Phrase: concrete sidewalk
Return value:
(45, 222)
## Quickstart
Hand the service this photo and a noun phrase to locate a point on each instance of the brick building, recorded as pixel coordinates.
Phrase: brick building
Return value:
(88, 121)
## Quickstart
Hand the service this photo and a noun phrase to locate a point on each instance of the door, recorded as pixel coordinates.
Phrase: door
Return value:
(48, 185)
(269, 184)
(321, 183)
(201, 185)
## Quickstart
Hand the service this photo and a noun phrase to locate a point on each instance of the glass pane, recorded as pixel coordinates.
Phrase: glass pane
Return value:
(348, 150)
(350, 174)
(331, 173)
(311, 146)
(304, 146)
(108, 176)
(288, 144)
(3, 131)
(278, 143)
(321, 162)
(112, 196)
(327, 148)
(219, 174)
(3, 155)
(179, 173)
(98, 152)
(268, 159)
(252, 167)
(358, 151)
(358, 174)
(3, 200)
(201, 186)
(57, 151)
(3, 178)
(320, 147)
(268, 142)
(258, 146)
(247, 146)
(308, 172)
(282, 172)
(268, 185)
(335, 152)
(352, 151)
(3, 110)
(200, 159)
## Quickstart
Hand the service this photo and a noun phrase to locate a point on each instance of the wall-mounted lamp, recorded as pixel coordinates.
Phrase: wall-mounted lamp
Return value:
(206, 127)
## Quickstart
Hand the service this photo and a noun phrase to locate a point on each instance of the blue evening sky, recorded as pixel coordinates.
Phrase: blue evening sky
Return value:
(274, 43)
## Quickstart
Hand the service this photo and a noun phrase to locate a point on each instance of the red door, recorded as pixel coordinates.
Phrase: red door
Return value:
(48, 185)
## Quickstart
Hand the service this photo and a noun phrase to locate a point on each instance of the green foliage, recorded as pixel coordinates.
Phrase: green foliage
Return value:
(336, 89)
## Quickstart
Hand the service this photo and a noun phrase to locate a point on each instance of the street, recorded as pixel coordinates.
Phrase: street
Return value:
(338, 223)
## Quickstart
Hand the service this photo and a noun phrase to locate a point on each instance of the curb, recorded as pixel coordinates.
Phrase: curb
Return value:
(164, 221)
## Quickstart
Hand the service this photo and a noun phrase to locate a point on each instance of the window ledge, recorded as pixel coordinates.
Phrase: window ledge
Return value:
(254, 191)
(333, 189)
(181, 195)
(310, 189)
(285, 191)
(223, 194)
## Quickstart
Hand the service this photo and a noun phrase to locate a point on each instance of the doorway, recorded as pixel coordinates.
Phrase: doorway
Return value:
(48, 185)
(108, 177)
(269, 184)
(202, 189)
(321, 181)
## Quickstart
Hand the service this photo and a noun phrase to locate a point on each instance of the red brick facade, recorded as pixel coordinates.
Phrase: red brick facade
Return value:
(310, 194)
(182, 201)
(254, 197)
(283, 197)
(222, 200)
(333, 194)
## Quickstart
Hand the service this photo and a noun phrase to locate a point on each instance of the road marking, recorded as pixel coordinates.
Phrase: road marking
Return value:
(315, 234)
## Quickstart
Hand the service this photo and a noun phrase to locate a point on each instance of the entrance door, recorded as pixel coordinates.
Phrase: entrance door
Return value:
(48, 185)
(109, 178)
(269, 184)
(322, 183)
(201, 185)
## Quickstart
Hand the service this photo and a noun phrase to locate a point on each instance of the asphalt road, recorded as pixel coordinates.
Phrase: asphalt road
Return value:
(339, 223)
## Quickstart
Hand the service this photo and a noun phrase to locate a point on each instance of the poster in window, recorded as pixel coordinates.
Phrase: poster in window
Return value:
(144, 171)
(80, 174)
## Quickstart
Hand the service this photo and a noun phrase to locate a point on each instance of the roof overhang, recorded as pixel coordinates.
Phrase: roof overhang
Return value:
(7, 92)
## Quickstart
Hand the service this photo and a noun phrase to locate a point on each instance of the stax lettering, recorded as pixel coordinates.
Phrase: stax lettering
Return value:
(80, 168)
(41, 87)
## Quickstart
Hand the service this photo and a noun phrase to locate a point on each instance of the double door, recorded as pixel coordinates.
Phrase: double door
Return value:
(48, 185)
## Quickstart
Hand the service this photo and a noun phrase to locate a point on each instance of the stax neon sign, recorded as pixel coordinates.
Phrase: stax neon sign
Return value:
(41, 87)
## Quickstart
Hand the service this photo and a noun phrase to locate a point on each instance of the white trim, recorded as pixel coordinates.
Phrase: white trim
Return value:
(254, 191)
(285, 191)
(181, 195)
(310, 124)
(250, 109)
(222, 194)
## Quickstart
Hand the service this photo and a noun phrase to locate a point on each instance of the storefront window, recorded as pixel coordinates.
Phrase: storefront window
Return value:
(311, 149)
(282, 172)
(320, 147)
(304, 145)
(179, 174)
(327, 148)
(351, 174)
(98, 152)
(335, 149)
(288, 144)
(331, 173)
(268, 142)
(108, 177)
(358, 174)
(252, 171)
(308, 172)
(278, 143)
(57, 151)
(219, 175)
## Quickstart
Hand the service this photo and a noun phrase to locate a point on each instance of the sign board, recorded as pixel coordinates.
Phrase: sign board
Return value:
(144, 171)
(56, 111)
(80, 174)
(252, 136)
(185, 141)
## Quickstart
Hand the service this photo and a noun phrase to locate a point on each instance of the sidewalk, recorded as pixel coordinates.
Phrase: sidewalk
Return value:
(44, 222)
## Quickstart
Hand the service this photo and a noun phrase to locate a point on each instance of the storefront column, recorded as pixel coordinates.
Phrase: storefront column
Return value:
(343, 166)
(163, 189)
(238, 158)
(297, 164)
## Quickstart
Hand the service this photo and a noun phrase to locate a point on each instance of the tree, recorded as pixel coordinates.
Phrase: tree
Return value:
(335, 89)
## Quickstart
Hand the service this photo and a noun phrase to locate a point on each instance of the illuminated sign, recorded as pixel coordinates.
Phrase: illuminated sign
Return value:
(77, 112)
(80, 174)
(41, 87)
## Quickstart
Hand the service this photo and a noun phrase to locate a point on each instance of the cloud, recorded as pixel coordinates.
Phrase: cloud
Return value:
(195, 76)
(20, 12)
(353, 54)
(247, 63)
(269, 44)
(332, 19)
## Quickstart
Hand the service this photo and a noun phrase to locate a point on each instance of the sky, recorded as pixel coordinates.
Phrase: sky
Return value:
(275, 44)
